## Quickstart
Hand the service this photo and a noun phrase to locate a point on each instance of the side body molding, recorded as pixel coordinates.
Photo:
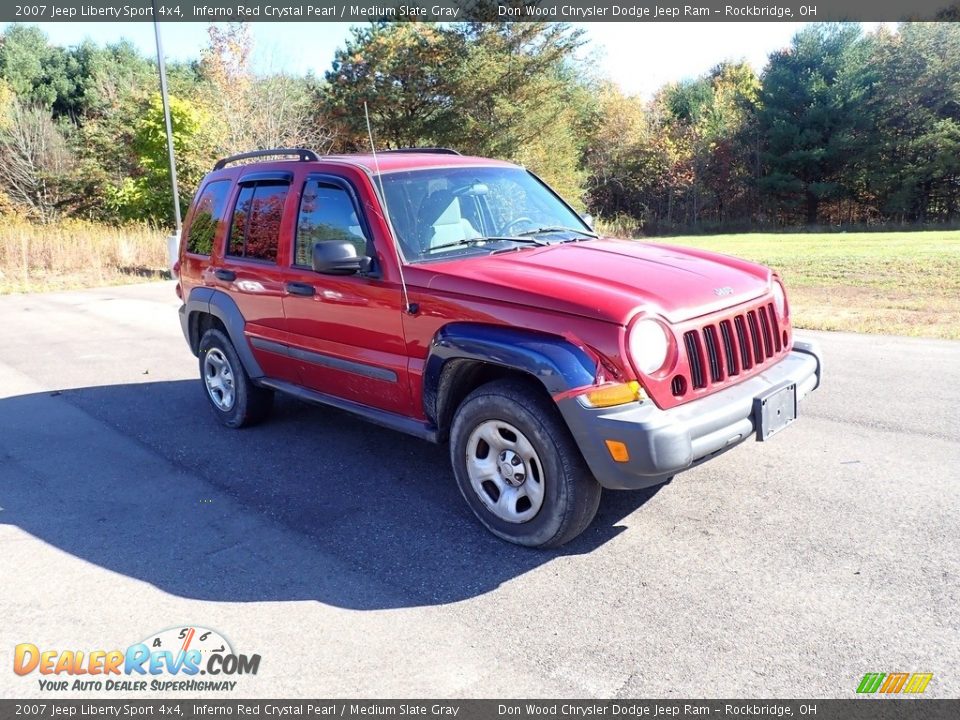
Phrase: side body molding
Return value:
(556, 362)
(221, 306)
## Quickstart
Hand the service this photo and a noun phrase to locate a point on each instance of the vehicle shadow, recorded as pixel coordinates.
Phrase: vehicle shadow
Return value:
(312, 505)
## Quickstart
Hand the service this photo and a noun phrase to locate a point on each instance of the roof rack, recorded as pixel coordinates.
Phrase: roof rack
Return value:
(430, 150)
(303, 154)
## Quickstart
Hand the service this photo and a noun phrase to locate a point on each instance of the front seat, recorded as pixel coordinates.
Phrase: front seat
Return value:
(441, 221)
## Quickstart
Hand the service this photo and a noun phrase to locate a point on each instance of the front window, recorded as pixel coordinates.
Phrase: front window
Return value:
(449, 212)
(326, 213)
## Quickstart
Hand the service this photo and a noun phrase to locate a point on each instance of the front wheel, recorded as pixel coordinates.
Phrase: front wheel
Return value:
(519, 469)
(235, 400)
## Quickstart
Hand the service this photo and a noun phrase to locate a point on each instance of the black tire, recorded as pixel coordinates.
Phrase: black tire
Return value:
(570, 494)
(250, 404)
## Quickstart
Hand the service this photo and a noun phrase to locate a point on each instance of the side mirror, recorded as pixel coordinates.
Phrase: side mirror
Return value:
(339, 257)
(588, 219)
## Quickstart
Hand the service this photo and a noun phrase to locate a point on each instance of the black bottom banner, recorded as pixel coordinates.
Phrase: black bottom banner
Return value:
(851, 709)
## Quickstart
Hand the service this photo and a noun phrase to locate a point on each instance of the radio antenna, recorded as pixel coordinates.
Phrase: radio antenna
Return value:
(409, 308)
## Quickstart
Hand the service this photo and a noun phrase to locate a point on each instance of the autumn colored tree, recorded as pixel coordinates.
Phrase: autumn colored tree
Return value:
(145, 195)
(35, 160)
(225, 65)
(252, 112)
(839, 128)
(626, 159)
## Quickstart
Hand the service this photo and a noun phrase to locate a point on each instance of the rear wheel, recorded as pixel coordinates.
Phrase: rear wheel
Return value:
(235, 400)
(518, 467)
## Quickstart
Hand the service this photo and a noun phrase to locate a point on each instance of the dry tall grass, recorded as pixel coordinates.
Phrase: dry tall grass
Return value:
(77, 253)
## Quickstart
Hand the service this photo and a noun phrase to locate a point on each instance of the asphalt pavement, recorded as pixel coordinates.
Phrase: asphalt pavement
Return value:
(343, 554)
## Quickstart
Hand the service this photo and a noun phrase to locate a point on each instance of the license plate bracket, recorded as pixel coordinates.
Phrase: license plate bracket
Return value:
(775, 410)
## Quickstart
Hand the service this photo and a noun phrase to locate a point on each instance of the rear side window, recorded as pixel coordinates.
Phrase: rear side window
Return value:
(207, 216)
(255, 230)
(326, 213)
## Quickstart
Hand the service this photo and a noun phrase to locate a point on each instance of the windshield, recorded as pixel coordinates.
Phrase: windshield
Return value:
(446, 212)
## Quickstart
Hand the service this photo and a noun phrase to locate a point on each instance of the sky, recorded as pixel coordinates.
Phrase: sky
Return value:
(640, 57)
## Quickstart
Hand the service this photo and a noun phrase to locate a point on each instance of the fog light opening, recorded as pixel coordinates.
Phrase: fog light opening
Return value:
(678, 385)
(784, 338)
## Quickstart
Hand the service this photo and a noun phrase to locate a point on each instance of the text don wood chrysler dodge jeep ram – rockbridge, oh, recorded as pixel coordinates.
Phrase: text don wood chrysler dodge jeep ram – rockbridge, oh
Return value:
(459, 299)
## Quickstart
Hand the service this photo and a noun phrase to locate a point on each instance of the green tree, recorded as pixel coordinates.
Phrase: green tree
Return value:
(117, 73)
(507, 90)
(912, 165)
(403, 72)
(147, 194)
(119, 84)
(521, 94)
(41, 74)
(809, 116)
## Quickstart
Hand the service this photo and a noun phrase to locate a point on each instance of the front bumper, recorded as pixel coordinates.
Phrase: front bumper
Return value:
(662, 443)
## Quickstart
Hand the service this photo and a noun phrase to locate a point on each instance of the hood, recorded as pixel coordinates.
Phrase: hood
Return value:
(607, 279)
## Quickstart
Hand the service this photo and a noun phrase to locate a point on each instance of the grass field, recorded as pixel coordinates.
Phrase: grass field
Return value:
(900, 283)
(73, 254)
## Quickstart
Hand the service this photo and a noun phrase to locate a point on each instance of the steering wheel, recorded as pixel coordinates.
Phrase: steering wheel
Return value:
(508, 228)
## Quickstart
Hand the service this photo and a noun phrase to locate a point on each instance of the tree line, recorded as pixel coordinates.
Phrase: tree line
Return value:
(841, 128)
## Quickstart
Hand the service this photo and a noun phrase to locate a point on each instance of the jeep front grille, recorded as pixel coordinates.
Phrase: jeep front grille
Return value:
(692, 341)
(727, 348)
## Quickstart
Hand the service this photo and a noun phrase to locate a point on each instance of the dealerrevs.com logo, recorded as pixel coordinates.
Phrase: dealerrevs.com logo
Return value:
(170, 660)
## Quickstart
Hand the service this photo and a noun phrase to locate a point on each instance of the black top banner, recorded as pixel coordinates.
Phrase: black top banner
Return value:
(476, 10)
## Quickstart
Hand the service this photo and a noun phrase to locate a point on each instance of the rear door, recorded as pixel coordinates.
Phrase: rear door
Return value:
(345, 331)
(251, 269)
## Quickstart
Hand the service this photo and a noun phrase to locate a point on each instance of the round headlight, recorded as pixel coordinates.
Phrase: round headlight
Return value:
(779, 299)
(649, 346)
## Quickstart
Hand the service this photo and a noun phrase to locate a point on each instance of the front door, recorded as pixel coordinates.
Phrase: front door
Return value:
(345, 331)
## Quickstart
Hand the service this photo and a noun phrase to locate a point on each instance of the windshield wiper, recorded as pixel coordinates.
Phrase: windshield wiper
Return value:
(556, 229)
(465, 242)
(519, 238)
(469, 242)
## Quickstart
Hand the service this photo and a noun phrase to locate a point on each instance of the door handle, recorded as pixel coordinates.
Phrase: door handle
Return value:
(228, 275)
(296, 288)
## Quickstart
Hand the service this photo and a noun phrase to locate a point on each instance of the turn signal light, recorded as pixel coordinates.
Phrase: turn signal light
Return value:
(618, 450)
(613, 394)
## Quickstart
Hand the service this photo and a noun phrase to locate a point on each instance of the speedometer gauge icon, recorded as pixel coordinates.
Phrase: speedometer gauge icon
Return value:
(177, 640)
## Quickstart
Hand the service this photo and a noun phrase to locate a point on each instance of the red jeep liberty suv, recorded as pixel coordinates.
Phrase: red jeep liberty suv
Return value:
(460, 299)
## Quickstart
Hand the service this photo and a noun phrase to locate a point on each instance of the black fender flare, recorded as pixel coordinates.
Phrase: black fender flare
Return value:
(221, 306)
(556, 362)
